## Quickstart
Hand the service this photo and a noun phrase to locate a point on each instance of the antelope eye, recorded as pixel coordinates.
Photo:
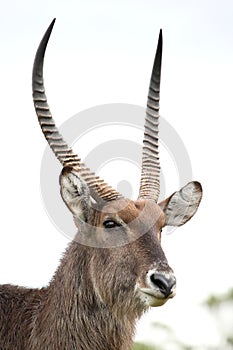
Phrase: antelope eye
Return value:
(110, 224)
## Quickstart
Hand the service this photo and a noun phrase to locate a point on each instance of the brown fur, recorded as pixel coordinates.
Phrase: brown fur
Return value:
(91, 302)
(109, 275)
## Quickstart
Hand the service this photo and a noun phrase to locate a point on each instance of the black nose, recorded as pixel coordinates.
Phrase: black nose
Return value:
(165, 284)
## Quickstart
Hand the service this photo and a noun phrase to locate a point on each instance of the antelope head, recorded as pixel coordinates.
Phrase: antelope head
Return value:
(122, 236)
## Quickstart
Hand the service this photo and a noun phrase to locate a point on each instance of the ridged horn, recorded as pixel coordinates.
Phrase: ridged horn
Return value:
(150, 175)
(98, 188)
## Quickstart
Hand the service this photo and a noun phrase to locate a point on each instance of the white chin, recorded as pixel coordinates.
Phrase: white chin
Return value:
(153, 300)
(150, 300)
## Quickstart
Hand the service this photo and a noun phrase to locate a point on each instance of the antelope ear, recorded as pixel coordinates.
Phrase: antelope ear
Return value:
(75, 193)
(182, 205)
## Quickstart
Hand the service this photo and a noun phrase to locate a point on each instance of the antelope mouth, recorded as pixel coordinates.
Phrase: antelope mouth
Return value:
(153, 297)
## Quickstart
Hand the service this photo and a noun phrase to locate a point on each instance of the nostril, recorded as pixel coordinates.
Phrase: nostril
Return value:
(163, 283)
(159, 283)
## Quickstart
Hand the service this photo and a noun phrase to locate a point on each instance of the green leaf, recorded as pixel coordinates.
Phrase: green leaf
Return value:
(140, 346)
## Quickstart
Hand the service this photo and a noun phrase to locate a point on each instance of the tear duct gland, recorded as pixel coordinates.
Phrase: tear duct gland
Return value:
(115, 268)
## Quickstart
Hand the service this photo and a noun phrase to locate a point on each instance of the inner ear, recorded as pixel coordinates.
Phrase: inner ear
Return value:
(182, 205)
(75, 193)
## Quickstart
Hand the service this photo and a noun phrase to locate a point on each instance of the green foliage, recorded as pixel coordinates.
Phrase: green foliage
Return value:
(230, 341)
(216, 305)
(218, 300)
(140, 346)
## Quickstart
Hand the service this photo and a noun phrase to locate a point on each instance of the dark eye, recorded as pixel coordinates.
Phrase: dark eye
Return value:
(110, 224)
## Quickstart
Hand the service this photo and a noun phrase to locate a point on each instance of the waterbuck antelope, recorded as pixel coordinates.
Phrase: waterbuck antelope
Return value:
(115, 268)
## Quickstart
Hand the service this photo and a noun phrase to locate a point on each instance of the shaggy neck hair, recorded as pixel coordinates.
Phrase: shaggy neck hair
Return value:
(71, 306)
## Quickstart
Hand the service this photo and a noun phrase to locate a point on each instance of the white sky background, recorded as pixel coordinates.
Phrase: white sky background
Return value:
(102, 52)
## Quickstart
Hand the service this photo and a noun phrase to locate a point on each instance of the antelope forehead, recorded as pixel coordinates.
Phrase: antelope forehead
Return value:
(121, 209)
(128, 210)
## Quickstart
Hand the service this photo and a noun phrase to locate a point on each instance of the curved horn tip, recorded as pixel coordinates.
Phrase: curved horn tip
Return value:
(43, 44)
(51, 25)
(49, 31)
(160, 41)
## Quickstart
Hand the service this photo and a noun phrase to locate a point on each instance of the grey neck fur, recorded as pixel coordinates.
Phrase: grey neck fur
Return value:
(68, 314)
